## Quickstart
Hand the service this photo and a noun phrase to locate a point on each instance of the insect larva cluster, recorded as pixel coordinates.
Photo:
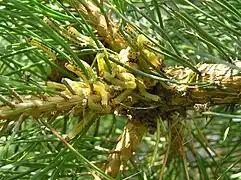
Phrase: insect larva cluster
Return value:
(71, 34)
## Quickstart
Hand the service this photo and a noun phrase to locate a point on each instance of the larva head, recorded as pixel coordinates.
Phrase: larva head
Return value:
(72, 31)
(46, 20)
(29, 40)
(69, 28)
(133, 55)
(69, 66)
(128, 28)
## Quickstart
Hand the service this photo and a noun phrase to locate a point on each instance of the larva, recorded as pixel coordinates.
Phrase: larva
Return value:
(43, 47)
(143, 41)
(74, 32)
(75, 70)
(78, 71)
(130, 30)
(64, 33)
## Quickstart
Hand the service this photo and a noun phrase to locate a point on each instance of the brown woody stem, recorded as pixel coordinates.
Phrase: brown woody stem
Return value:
(125, 148)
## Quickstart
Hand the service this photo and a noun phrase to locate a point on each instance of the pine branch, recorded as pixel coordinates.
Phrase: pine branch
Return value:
(124, 72)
